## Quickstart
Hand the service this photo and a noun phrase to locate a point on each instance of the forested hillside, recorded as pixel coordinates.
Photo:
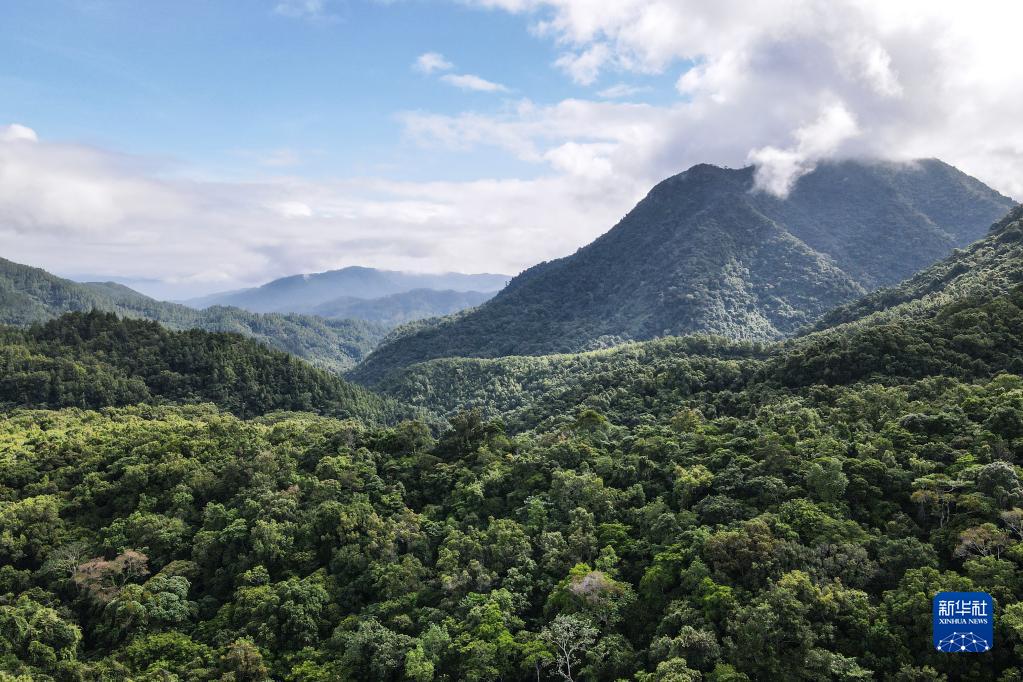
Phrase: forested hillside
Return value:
(682, 509)
(30, 295)
(960, 317)
(991, 266)
(705, 253)
(95, 360)
(765, 535)
(195, 506)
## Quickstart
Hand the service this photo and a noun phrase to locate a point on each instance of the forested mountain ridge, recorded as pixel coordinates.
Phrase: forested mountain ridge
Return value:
(704, 253)
(969, 338)
(959, 317)
(304, 293)
(30, 295)
(401, 308)
(991, 266)
(94, 360)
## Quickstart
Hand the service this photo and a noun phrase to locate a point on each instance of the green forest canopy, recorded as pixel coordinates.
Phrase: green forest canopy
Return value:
(726, 516)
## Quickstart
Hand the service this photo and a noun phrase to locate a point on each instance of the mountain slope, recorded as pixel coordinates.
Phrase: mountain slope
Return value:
(961, 317)
(95, 360)
(973, 337)
(303, 293)
(705, 253)
(407, 306)
(993, 265)
(30, 295)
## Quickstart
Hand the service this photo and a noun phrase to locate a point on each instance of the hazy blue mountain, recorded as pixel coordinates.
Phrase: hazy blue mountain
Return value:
(29, 295)
(706, 253)
(405, 307)
(304, 293)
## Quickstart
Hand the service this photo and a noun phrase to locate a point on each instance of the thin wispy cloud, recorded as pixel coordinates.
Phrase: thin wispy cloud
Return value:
(621, 90)
(306, 9)
(467, 81)
(429, 62)
(434, 62)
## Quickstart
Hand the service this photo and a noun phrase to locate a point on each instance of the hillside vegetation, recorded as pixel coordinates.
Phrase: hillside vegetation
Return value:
(683, 509)
(765, 533)
(990, 266)
(407, 306)
(30, 295)
(95, 360)
(960, 317)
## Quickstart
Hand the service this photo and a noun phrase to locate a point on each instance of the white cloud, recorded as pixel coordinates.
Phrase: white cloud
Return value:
(16, 131)
(76, 209)
(293, 209)
(621, 90)
(919, 77)
(428, 62)
(778, 169)
(783, 83)
(590, 161)
(585, 66)
(432, 62)
(467, 81)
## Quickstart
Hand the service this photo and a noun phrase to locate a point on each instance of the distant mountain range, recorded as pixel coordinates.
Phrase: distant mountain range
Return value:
(406, 306)
(29, 295)
(364, 293)
(705, 252)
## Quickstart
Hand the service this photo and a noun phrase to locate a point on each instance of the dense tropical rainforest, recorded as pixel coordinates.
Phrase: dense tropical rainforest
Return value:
(188, 505)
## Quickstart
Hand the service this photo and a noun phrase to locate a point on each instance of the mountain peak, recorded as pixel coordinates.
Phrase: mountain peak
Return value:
(701, 253)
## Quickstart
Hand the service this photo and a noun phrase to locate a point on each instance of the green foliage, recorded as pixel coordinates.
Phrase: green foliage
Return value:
(403, 307)
(682, 509)
(94, 360)
(30, 295)
(802, 540)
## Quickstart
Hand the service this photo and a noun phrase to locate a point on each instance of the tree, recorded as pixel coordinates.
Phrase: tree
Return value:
(243, 662)
(104, 579)
(825, 479)
(981, 541)
(593, 593)
(1000, 481)
(35, 639)
(570, 636)
(487, 642)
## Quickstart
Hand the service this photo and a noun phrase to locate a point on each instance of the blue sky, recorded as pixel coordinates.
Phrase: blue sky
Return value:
(189, 146)
(225, 85)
